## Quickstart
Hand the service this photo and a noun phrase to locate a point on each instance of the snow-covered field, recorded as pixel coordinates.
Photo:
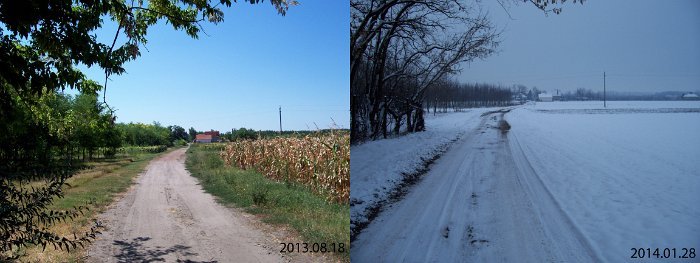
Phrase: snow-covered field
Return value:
(628, 179)
(598, 105)
(568, 176)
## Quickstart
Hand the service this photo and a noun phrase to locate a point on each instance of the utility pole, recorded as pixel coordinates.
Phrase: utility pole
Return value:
(604, 99)
(280, 119)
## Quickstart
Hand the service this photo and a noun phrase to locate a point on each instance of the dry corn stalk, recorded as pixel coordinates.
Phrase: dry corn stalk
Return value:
(321, 162)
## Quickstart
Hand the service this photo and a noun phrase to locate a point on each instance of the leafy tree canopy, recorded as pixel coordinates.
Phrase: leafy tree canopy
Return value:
(42, 41)
(41, 44)
(192, 133)
(178, 133)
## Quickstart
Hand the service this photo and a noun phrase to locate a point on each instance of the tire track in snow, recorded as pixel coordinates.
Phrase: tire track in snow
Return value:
(550, 209)
(388, 242)
(400, 190)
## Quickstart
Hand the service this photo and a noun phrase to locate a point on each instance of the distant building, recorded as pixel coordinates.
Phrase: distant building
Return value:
(690, 96)
(208, 137)
(519, 98)
(556, 97)
(545, 97)
(203, 138)
(212, 133)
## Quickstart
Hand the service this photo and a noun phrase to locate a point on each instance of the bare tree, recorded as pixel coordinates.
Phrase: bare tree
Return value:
(400, 48)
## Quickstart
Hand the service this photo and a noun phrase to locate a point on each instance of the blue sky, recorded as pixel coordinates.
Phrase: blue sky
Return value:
(643, 46)
(238, 75)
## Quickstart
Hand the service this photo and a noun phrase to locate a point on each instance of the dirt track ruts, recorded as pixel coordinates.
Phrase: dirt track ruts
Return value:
(167, 217)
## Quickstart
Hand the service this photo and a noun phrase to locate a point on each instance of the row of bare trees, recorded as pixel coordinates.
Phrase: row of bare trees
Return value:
(455, 96)
(399, 49)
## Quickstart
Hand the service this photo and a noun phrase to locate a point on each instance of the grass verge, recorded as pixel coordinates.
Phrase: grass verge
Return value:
(95, 188)
(316, 220)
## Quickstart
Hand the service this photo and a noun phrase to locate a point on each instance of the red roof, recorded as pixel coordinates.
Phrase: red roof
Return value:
(213, 133)
(203, 137)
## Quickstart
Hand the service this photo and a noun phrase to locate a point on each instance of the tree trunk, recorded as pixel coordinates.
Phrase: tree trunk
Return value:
(420, 122)
(409, 123)
(384, 121)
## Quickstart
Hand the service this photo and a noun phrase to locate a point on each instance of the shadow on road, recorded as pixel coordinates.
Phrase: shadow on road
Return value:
(135, 251)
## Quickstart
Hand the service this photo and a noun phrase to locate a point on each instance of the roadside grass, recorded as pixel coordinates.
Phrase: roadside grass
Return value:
(314, 218)
(95, 188)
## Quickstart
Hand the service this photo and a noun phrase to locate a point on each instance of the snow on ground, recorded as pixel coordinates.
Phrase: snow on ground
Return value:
(613, 105)
(570, 182)
(627, 178)
(378, 167)
(474, 205)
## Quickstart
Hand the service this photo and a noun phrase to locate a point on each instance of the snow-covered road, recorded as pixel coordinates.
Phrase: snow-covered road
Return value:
(479, 202)
(379, 167)
(568, 183)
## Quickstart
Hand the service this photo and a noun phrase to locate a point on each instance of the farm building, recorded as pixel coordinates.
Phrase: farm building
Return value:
(207, 137)
(203, 138)
(212, 133)
(519, 98)
(556, 97)
(544, 97)
(690, 96)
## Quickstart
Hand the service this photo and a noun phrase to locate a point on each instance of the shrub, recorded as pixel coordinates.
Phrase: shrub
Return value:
(260, 194)
(143, 149)
(180, 142)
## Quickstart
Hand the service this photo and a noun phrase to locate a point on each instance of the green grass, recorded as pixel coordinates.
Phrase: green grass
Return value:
(316, 220)
(95, 188)
(98, 185)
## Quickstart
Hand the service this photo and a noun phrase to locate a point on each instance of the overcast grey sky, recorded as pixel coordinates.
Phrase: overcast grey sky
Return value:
(642, 45)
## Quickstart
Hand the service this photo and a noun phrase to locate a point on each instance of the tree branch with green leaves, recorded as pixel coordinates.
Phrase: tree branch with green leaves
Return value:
(42, 45)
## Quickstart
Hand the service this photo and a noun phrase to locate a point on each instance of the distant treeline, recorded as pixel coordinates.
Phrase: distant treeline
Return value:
(402, 112)
(587, 94)
(139, 134)
(457, 96)
(665, 95)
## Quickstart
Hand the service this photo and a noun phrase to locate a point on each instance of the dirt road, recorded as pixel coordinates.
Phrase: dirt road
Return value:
(480, 202)
(166, 216)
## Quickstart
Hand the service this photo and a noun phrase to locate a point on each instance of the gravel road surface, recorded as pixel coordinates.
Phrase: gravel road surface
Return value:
(167, 217)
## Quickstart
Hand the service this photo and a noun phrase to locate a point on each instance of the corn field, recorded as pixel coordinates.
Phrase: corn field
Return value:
(321, 162)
